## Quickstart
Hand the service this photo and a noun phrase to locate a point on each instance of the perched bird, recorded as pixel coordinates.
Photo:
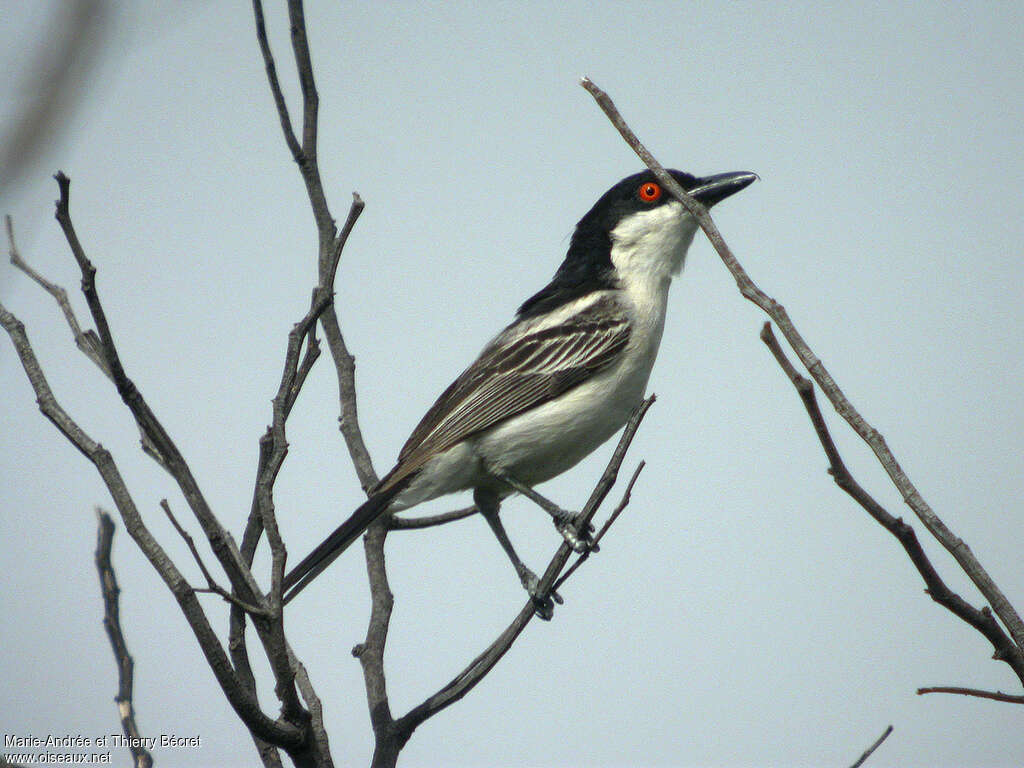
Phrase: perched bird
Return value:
(556, 383)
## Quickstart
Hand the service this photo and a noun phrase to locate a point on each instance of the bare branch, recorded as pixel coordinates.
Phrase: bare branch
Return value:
(280, 732)
(220, 542)
(344, 362)
(304, 154)
(868, 752)
(275, 84)
(960, 551)
(87, 341)
(994, 695)
(477, 669)
(396, 523)
(623, 503)
(211, 585)
(292, 378)
(331, 246)
(936, 588)
(315, 710)
(371, 652)
(112, 623)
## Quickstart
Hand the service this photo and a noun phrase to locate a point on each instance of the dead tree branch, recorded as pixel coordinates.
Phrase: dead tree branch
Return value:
(870, 750)
(956, 546)
(397, 523)
(994, 695)
(466, 680)
(172, 460)
(112, 624)
(245, 705)
(981, 619)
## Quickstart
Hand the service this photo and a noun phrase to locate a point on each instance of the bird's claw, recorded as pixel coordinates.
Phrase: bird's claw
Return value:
(579, 541)
(543, 604)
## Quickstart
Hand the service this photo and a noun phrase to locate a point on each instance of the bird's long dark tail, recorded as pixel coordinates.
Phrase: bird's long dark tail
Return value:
(346, 533)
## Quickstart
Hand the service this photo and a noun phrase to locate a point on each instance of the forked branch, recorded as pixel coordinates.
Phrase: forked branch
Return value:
(960, 551)
(981, 619)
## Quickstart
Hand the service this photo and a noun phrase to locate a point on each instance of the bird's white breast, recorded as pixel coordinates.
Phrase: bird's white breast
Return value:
(648, 248)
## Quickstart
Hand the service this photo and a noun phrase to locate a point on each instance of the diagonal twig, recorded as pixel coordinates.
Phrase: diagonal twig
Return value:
(956, 546)
(112, 623)
(477, 669)
(980, 619)
(211, 585)
(620, 507)
(870, 750)
(87, 341)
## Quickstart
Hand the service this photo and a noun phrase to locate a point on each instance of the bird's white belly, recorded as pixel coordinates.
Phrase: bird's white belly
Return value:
(557, 435)
(551, 438)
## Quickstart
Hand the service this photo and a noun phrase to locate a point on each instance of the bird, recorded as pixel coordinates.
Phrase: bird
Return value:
(558, 381)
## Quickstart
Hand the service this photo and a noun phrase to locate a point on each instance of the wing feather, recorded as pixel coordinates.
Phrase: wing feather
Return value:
(514, 374)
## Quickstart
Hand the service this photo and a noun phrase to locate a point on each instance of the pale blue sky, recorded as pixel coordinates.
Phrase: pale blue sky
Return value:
(742, 612)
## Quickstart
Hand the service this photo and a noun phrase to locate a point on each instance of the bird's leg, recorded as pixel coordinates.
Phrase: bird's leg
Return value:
(565, 521)
(489, 505)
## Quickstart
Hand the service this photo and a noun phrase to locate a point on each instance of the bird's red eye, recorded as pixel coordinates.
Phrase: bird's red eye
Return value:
(649, 192)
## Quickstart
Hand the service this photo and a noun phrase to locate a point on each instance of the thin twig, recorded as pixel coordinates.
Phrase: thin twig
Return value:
(240, 577)
(397, 523)
(211, 585)
(112, 623)
(477, 669)
(242, 700)
(623, 503)
(960, 551)
(994, 695)
(87, 341)
(980, 619)
(872, 748)
(275, 83)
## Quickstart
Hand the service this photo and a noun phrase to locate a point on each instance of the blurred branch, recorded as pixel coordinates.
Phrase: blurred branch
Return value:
(55, 79)
(868, 752)
(112, 623)
(936, 588)
(960, 551)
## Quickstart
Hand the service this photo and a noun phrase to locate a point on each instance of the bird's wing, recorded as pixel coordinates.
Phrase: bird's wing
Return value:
(512, 376)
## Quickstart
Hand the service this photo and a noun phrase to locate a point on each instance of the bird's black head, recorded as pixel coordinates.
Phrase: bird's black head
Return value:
(588, 264)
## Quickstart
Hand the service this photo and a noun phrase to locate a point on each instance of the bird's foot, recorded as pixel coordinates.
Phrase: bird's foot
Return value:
(580, 541)
(543, 604)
